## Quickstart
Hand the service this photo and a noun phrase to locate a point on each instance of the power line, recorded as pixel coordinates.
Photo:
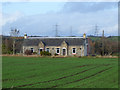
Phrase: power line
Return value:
(96, 30)
(56, 30)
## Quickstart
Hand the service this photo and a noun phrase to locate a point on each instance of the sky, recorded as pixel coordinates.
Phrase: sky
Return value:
(73, 18)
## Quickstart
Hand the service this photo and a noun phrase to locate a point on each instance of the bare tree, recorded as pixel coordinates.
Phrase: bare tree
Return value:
(14, 33)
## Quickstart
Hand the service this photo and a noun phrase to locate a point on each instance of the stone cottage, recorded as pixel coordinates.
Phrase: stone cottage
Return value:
(63, 46)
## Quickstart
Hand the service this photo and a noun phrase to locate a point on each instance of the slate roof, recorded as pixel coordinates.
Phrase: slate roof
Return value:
(54, 41)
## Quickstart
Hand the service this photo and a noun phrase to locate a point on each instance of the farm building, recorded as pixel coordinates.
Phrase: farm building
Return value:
(62, 46)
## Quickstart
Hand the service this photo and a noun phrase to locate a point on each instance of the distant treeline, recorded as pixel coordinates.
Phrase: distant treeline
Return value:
(104, 45)
(7, 44)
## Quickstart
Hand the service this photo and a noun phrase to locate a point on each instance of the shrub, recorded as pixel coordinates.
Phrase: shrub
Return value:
(79, 56)
(74, 55)
(55, 54)
(41, 53)
(28, 52)
(34, 52)
(10, 52)
(45, 53)
(93, 55)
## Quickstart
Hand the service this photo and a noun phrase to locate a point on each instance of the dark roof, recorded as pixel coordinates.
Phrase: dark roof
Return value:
(54, 41)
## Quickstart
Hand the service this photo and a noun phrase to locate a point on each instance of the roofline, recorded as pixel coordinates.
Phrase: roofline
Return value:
(50, 37)
(53, 45)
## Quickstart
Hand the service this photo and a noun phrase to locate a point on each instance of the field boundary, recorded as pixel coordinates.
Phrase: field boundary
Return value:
(59, 56)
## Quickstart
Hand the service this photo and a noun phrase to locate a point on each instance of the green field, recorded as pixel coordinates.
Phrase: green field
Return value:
(36, 72)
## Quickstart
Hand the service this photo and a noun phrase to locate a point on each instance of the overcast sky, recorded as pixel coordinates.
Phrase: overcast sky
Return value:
(39, 18)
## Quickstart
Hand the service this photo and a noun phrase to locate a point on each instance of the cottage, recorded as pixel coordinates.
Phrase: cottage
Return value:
(63, 46)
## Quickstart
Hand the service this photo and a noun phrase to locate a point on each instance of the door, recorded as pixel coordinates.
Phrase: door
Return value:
(64, 51)
(40, 50)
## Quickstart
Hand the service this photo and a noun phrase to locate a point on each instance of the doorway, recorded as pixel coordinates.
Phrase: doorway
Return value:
(64, 51)
(40, 50)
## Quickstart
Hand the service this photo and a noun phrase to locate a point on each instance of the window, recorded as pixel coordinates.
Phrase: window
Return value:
(41, 49)
(57, 50)
(52, 48)
(74, 50)
(47, 49)
(32, 50)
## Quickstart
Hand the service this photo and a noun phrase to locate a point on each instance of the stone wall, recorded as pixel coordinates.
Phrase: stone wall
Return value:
(79, 50)
(52, 49)
(64, 46)
(41, 45)
(29, 48)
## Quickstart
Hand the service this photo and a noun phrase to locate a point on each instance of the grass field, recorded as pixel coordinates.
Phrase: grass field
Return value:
(36, 72)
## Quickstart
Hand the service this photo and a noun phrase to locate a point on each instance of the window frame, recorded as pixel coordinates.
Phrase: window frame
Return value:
(47, 49)
(40, 49)
(73, 49)
(58, 49)
(32, 50)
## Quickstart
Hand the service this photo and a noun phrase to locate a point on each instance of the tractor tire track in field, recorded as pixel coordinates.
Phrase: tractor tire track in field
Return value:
(5, 80)
(82, 78)
(61, 77)
(62, 69)
(32, 76)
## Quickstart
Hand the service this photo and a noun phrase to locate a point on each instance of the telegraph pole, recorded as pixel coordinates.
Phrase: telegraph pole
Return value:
(103, 43)
(14, 47)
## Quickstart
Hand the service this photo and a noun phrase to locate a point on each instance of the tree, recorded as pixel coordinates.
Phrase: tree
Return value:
(14, 33)
(28, 52)
(107, 48)
(92, 47)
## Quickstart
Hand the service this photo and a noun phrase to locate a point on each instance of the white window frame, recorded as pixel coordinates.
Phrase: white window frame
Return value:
(48, 49)
(59, 50)
(72, 51)
(40, 48)
(31, 49)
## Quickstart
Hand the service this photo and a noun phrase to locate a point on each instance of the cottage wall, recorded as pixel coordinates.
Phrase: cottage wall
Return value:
(79, 50)
(66, 45)
(41, 45)
(52, 49)
(29, 48)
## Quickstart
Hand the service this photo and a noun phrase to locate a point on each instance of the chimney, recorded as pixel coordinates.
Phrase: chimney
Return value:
(84, 35)
(25, 36)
